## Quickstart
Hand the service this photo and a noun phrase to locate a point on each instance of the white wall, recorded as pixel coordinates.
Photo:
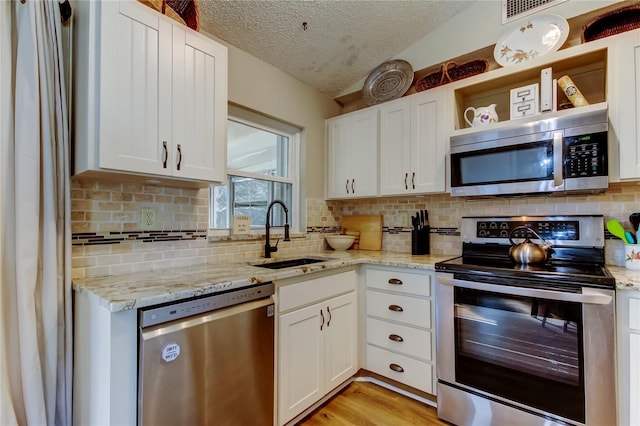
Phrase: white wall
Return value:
(478, 26)
(261, 87)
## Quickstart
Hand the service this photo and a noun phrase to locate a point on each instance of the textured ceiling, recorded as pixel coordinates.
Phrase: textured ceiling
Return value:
(343, 42)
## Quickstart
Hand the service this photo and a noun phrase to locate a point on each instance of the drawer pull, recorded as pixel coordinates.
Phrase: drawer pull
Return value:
(396, 338)
(395, 281)
(395, 308)
(396, 368)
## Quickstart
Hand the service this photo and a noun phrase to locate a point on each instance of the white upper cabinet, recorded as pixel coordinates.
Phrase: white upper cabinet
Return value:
(413, 144)
(352, 158)
(150, 94)
(624, 105)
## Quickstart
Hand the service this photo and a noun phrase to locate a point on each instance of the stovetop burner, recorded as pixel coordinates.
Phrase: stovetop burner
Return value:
(577, 258)
(566, 272)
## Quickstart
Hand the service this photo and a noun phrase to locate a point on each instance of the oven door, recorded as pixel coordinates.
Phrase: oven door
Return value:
(523, 164)
(546, 354)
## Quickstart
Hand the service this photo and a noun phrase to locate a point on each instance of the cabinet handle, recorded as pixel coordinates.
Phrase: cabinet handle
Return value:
(396, 308)
(329, 320)
(353, 190)
(346, 186)
(321, 316)
(179, 156)
(413, 180)
(395, 281)
(396, 338)
(396, 368)
(406, 176)
(166, 154)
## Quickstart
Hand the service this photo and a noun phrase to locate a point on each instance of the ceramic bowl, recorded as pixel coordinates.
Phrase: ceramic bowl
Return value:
(340, 242)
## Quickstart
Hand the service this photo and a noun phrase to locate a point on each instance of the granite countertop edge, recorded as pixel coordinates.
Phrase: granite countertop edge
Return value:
(141, 289)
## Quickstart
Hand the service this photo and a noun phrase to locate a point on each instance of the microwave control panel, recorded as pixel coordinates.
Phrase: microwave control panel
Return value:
(585, 155)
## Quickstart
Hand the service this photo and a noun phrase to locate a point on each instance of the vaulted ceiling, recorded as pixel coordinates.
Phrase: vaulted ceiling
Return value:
(328, 44)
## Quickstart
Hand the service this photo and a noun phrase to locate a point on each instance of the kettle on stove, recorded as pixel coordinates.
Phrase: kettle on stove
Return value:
(527, 251)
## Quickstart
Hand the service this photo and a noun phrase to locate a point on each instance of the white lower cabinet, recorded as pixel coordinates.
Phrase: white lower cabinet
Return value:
(400, 341)
(628, 324)
(318, 328)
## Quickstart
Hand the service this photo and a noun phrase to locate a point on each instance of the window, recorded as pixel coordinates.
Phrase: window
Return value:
(262, 164)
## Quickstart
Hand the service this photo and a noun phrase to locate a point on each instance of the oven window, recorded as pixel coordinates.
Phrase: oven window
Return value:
(507, 164)
(525, 350)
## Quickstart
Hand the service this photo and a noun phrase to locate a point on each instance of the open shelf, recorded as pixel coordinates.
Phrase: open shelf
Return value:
(587, 68)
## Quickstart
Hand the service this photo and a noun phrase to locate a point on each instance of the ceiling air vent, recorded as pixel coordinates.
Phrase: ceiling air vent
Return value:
(516, 9)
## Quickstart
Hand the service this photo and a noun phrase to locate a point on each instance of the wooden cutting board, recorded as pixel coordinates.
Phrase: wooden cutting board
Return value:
(370, 228)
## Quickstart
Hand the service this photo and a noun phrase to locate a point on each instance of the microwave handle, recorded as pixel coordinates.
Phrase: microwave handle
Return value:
(558, 178)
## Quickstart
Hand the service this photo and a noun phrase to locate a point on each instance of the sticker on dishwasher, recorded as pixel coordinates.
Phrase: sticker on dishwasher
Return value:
(170, 352)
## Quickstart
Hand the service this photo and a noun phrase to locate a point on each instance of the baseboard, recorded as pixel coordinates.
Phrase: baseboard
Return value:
(395, 389)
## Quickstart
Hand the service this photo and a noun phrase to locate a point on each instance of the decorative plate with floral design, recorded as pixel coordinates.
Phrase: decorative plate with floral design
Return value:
(532, 38)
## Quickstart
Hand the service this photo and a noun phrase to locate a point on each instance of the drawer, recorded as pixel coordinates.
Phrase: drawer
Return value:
(315, 290)
(523, 109)
(399, 338)
(634, 314)
(400, 281)
(417, 374)
(524, 93)
(411, 310)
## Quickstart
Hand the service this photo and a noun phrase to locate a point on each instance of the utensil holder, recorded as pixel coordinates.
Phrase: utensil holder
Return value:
(632, 256)
(420, 241)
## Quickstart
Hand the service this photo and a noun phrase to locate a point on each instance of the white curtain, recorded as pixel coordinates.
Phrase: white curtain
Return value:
(36, 329)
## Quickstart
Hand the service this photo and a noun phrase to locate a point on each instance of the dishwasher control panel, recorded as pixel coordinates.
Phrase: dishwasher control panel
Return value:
(168, 312)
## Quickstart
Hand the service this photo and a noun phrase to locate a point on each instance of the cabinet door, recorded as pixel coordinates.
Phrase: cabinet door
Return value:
(352, 157)
(623, 73)
(301, 360)
(395, 147)
(199, 108)
(340, 340)
(135, 88)
(338, 173)
(634, 379)
(429, 144)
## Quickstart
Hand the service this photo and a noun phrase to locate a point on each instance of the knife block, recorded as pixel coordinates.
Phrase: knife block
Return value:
(420, 241)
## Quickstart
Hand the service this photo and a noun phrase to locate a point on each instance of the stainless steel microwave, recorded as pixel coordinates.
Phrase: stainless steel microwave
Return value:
(565, 152)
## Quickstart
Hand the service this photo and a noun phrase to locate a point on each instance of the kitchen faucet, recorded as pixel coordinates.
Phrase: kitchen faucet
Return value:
(268, 249)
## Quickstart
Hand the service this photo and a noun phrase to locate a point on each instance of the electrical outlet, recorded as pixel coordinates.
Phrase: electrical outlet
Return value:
(403, 219)
(148, 218)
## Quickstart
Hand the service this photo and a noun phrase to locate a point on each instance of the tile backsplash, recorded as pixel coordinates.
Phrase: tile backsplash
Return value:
(108, 239)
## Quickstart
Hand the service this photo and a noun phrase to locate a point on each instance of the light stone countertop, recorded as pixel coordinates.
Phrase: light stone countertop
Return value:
(626, 279)
(136, 290)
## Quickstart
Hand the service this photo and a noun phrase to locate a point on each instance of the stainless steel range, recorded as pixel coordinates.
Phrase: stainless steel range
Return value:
(527, 344)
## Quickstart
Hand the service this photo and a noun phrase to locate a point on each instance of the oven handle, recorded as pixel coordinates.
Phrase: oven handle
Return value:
(594, 298)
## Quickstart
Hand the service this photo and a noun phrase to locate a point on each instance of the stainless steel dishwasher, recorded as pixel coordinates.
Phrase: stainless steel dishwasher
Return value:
(208, 361)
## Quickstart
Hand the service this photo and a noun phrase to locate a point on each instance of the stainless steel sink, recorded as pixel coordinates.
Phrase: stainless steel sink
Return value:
(290, 263)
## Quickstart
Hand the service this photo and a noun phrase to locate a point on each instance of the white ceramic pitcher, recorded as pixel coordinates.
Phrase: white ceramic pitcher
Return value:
(482, 115)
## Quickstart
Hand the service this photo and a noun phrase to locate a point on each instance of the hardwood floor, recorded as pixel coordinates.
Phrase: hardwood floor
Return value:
(367, 404)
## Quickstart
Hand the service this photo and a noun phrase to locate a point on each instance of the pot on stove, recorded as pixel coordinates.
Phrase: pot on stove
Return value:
(527, 251)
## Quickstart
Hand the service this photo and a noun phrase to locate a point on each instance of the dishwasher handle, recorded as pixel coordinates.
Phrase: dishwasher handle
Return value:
(153, 315)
